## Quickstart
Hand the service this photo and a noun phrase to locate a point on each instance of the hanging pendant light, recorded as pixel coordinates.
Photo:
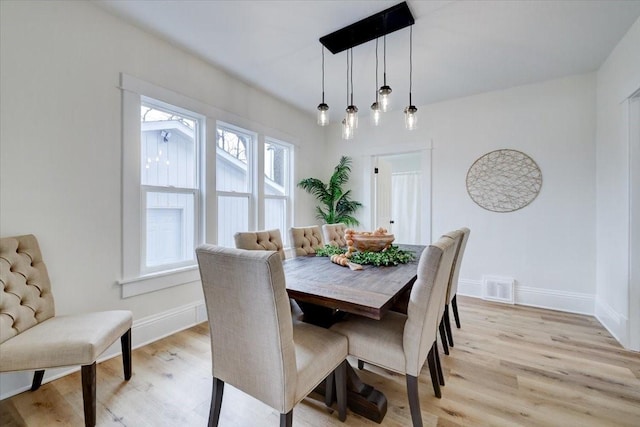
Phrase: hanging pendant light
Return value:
(410, 112)
(352, 110)
(347, 131)
(384, 90)
(375, 107)
(323, 109)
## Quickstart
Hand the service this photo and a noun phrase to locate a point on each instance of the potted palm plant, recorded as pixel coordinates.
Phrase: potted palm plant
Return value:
(335, 203)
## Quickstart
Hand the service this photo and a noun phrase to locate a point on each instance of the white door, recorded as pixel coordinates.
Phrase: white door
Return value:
(382, 176)
(399, 196)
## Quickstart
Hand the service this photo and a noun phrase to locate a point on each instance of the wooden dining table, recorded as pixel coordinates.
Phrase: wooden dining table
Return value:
(326, 292)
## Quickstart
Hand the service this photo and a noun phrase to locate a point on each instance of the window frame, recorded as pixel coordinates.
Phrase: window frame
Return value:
(136, 279)
(288, 186)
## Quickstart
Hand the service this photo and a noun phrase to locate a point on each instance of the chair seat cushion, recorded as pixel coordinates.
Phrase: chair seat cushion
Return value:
(311, 341)
(376, 341)
(64, 341)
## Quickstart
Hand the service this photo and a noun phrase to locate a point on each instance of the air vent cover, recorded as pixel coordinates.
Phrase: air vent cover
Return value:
(500, 289)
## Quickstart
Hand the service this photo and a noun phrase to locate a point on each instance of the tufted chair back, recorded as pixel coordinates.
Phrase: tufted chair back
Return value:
(305, 240)
(264, 240)
(334, 234)
(26, 298)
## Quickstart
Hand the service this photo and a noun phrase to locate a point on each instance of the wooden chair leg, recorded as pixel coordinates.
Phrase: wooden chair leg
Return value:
(360, 364)
(37, 380)
(447, 324)
(89, 394)
(438, 365)
(443, 337)
(286, 420)
(414, 400)
(454, 306)
(216, 402)
(328, 389)
(125, 341)
(434, 373)
(341, 390)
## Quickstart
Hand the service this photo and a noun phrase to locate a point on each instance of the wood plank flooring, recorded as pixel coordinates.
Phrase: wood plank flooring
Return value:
(511, 366)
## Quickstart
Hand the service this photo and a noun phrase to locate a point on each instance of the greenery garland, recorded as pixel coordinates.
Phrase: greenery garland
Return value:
(391, 256)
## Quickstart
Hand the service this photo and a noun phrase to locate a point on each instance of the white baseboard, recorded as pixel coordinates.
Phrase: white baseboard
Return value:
(572, 302)
(614, 322)
(143, 332)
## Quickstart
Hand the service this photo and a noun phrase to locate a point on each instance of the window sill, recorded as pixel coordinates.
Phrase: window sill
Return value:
(157, 281)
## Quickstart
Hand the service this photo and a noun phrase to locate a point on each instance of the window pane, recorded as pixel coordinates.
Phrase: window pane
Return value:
(232, 158)
(170, 228)
(168, 149)
(275, 169)
(275, 215)
(233, 216)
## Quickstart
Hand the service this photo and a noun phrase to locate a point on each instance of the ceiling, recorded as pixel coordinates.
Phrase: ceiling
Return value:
(460, 48)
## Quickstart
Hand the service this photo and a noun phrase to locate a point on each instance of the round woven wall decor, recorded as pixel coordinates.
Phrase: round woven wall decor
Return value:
(504, 180)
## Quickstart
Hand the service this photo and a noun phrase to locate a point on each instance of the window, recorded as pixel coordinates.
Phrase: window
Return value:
(169, 186)
(234, 181)
(277, 177)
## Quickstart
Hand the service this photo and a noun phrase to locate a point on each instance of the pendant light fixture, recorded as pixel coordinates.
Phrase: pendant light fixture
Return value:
(323, 109)
(352, 110)
(375, 107)
(410, 116)
(385, 90)
(347, 130)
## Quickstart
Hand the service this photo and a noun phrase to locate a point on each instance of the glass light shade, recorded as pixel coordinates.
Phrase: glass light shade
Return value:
(352, 116)
(323, 114)
(385, 92)
(347, 131)
(411, 117)
(375, 114)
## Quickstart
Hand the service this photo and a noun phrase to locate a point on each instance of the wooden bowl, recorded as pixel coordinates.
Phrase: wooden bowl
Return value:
(372, 243)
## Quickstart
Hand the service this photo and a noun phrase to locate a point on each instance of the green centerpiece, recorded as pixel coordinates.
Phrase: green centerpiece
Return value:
(393, 255)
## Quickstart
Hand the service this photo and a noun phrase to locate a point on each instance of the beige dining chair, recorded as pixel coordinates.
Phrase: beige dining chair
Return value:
(306, 240)
(401, 343)
(334, 234)
(266, 240)
(255, 346)
(461, 237)
(32, 337)
(262, 240)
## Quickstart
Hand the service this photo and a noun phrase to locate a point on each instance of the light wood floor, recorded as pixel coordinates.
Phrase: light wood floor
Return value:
(511, 365)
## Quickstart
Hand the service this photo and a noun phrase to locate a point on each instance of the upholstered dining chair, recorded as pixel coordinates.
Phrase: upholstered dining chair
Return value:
(401, 343)
(460, 236)
(306, 240)
(255, 346)
(263, 240)
(32, 337)
(334, 234)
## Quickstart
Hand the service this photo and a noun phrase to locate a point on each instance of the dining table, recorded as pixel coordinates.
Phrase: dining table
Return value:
(327, 293)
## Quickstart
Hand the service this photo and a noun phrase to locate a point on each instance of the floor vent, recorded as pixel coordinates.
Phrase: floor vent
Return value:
(500, 289)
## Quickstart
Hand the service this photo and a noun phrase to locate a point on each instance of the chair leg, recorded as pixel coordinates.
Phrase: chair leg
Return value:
(286, 420)
(443, 337)
(341, 390)
(414, 400)
(37, 380)
(454, 305)
(438, 365)
(447, 324)
(360, 364)
(89, 394)
(216, 402)
(125, 341)
(328, 389)
(434, 373)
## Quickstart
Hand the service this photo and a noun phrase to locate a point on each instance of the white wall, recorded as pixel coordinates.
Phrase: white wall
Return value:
(618, 79)
(549, 246)
(60, 141)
